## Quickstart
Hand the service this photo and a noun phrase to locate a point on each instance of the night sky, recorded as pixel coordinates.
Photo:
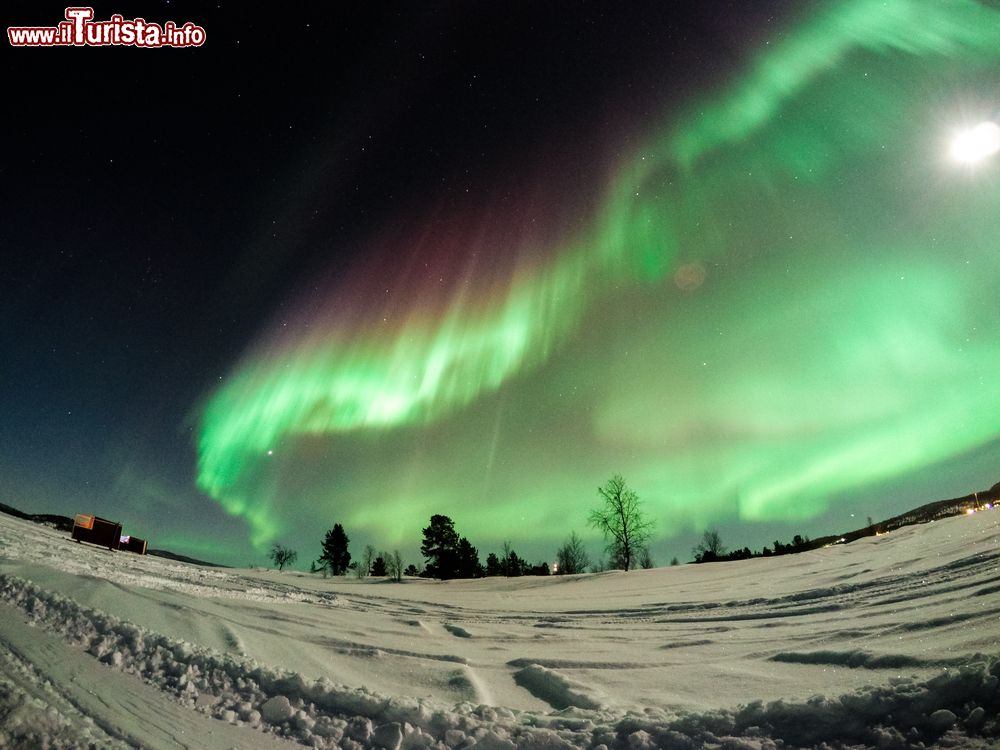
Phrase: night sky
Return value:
(363, 263)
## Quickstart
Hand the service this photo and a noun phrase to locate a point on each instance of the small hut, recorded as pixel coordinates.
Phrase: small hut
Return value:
(101, 531)
(130, 543)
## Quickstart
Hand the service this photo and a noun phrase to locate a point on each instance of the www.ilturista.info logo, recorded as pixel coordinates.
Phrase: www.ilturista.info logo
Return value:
(81, 30)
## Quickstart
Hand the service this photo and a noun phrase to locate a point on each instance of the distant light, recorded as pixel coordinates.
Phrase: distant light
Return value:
(969, 511)
(270, 453)
(976, 144)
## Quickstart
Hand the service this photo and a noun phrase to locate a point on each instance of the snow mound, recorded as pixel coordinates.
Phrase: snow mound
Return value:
(555, 689)
(862, 659)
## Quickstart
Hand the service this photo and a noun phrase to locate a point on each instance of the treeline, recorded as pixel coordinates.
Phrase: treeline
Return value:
(620, 518)
(711, 549)
(335, 559)
(447, 555)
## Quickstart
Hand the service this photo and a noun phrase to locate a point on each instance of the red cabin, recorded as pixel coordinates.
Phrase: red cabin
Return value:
(87, 528)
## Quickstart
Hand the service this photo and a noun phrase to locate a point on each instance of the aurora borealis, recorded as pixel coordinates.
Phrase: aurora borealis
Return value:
(473, 260)
(781, 296)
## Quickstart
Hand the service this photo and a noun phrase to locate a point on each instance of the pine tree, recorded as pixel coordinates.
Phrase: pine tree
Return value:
(468, 565)
(511, 565)
(335, 557)
(493, 565)
(440, 547)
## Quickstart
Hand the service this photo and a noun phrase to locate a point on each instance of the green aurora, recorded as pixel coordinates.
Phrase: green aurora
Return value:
(785, 295)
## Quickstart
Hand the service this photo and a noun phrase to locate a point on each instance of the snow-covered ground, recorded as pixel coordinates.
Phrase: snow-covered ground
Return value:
(900, 633)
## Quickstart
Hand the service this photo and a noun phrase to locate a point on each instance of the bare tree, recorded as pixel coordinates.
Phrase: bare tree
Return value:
(624, 525)
(393, 565)
(282, 556)
(365, 563)
(646, 559)
(572, 557)
(710, 547)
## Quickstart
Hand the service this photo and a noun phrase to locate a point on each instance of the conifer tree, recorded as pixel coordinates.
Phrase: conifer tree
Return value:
(335, 556)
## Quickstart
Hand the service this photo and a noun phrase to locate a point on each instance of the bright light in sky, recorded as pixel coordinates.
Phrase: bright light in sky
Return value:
(976, 144)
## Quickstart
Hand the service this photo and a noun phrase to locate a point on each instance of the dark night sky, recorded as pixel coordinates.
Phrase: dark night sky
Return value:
(163, 209)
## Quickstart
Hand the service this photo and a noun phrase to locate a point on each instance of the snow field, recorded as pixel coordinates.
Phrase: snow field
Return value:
(935, 608)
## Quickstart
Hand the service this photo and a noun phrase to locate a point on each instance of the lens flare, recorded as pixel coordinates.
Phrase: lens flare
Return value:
(977, 144)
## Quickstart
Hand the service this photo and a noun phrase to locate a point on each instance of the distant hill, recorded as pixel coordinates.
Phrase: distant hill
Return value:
(924, 514)
(65, 523)
(62, 523)
(183, 558)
